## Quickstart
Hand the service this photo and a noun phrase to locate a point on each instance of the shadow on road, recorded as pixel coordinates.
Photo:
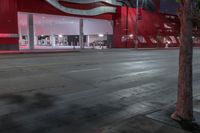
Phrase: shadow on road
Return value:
(39, 113)
(13, 99)
(37, 101)
(16, 109)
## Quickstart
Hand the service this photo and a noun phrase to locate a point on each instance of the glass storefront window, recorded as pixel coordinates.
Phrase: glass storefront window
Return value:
(98, 33)
(53, 31)
(23, 31)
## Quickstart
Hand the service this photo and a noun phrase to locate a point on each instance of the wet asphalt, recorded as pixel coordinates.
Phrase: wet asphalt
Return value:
(86, 91)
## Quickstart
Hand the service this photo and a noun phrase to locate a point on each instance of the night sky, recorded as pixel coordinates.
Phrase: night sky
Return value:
(168, 6)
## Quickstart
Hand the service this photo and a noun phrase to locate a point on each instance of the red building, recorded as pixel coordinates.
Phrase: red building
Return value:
(42, 24)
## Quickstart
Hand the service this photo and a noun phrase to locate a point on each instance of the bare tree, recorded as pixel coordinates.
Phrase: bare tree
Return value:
(184, 106)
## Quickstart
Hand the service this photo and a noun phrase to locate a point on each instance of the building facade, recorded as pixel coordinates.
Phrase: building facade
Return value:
(58, 24)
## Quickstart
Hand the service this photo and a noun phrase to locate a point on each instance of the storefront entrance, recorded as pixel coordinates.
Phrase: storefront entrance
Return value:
(42, 31)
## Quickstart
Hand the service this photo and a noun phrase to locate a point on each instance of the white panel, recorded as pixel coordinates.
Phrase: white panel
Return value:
(51, 24)
(54, 24)
(23, 23)
(90, 12)
(96, 26)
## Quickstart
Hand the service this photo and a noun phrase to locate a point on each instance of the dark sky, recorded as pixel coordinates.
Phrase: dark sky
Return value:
(168, 6)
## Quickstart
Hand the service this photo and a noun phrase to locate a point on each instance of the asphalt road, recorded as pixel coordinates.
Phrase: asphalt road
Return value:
(87, 91)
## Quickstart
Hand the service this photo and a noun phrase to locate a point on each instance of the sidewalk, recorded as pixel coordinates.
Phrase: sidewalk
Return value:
(143, 124)
(157, 122)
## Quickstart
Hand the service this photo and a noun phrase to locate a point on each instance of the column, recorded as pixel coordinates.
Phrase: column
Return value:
(53, 40)
(31, 31)
(81, 35)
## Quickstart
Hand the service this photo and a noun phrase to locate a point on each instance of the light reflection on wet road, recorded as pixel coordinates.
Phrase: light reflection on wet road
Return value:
(81, 92)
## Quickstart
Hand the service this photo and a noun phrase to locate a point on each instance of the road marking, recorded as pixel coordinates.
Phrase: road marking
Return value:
(84, 70)
(140, 73)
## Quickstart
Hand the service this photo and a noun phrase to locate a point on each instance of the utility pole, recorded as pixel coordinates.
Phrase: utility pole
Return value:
(136, 28)
(127, 14)
(127, 25)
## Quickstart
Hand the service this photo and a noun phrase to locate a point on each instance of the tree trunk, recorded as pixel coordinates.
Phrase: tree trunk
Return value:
(184, 106)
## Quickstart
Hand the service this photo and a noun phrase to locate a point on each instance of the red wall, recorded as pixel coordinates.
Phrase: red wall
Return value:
(151, 24)
(117, 29)
(8, 24)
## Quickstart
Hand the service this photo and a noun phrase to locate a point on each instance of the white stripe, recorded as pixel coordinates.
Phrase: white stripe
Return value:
(90, 12)
(140, 73)
(8, 35)
(112, 2)
(84, 70)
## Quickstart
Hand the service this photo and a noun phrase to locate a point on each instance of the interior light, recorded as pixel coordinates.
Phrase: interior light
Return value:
(131, 35)
(101, 35)
(60, 35)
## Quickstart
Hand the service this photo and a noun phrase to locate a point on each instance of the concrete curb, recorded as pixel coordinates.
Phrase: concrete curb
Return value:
(37, 52)
(87, 50)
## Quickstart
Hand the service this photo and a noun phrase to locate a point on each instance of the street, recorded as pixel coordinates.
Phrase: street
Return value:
(84, 92)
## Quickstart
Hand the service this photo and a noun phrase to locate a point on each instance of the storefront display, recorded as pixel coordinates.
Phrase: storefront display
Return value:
(53, 31)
